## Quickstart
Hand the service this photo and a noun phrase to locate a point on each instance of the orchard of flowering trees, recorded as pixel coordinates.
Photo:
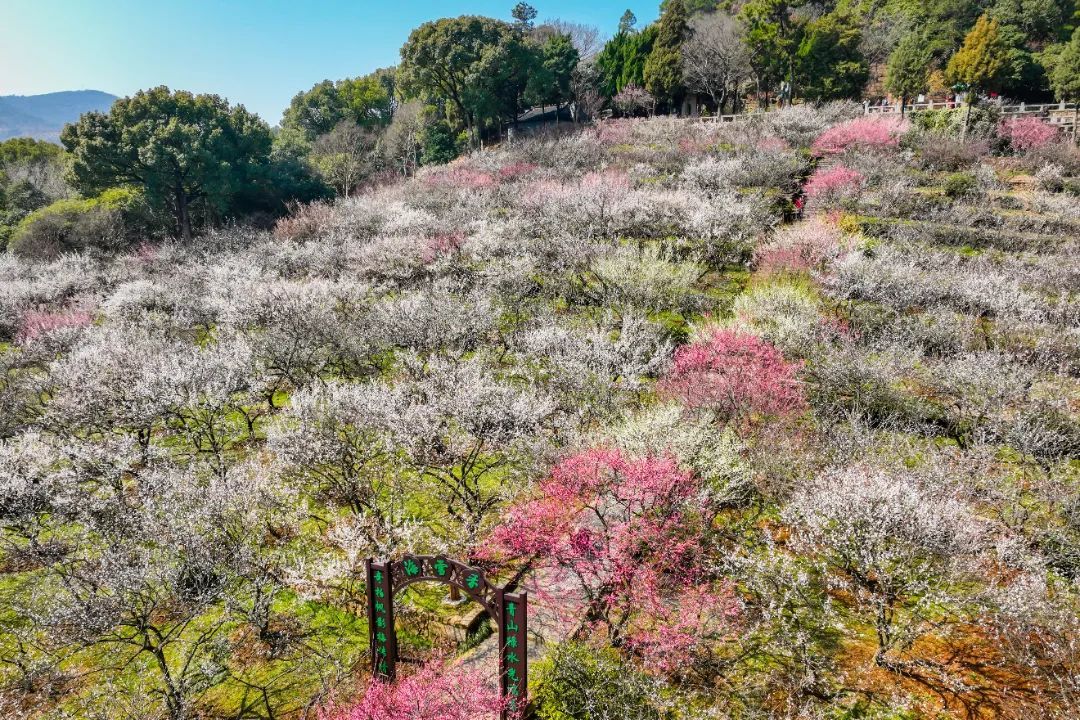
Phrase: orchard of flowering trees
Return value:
(775, 419)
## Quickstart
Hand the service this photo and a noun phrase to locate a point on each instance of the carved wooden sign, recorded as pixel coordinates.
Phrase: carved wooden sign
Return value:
(508, 610)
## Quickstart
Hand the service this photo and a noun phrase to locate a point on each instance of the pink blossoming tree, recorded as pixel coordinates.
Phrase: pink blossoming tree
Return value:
(862, 133)
(832, 186)
(36, 323)
(1027, 133)
(432, 693)
(627, 537)
(735, 375)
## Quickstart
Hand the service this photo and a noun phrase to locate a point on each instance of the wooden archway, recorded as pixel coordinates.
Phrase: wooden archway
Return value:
(508, 610)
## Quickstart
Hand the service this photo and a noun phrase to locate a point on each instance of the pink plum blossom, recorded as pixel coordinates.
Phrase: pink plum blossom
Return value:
(862, 133)
(736, 375)
(432, 693)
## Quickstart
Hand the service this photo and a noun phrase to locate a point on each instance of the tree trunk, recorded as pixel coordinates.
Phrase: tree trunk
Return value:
(903, 105)
(183, 216)
(967, 118)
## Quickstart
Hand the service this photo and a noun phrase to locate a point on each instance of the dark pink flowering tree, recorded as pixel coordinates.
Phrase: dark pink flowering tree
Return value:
(863, 133)
(1027, 133)
(736, 375)
(433, 693)
(627, 538)
(832, 186)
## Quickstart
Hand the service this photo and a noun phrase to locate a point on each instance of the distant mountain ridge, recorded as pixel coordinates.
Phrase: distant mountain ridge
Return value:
(44, 116)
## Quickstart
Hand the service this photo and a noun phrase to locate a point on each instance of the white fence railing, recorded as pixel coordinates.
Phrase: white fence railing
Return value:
(1060, 113)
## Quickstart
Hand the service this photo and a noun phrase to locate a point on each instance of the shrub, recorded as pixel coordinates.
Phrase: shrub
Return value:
(861, 133)
(982, 123)
(633, 99)
(1027, 133)
(960, 184)
(109, 223)
(433, 693)
(834, 186)
(942, 151)
(736, 375)
(582, 681)
(1051, 178)
(1065, 154)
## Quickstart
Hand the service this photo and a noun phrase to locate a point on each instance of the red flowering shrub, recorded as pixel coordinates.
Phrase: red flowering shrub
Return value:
(736, 375)
(828, 187)
(863, 132)
(434, 693)
(626, 535)
(35, 323)
(1027, 133)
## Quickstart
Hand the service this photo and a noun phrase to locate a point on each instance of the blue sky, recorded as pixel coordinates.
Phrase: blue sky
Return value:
(255, 52)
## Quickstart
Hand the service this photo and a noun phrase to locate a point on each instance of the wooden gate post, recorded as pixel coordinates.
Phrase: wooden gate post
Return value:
(381, 630)
(514, 652)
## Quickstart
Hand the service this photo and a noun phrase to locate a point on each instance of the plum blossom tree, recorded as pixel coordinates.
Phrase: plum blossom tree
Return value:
(736, 375)
(895, 543)
(625, 533)
(864, 133)
(431, 693)
(334, 439)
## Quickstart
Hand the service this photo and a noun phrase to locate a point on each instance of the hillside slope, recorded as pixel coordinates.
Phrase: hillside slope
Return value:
(778, 418)
(43, 116)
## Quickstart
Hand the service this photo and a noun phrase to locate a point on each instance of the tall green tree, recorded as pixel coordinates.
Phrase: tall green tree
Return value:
(1064, 74)
(981, 63)
(182, 150)
(830, 64)
(908, 72)
(524, 16)
(477, 65)
(663, 69)
(622, 61)
(316, 111)
(550, 78)
(367, 101)
(773, 33)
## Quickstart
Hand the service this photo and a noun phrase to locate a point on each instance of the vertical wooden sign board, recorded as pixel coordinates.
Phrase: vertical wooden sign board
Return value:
(380, 592)
(508, 610)
(513, 660)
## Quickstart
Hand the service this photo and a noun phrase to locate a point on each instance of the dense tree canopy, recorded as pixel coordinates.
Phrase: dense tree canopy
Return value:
(663, 71)
(477, 65)
(367, 101)
(186, 152)
(982, 61)
(909, 68)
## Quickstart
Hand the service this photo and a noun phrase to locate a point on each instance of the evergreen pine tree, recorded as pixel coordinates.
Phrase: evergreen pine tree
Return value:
(663, 68)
